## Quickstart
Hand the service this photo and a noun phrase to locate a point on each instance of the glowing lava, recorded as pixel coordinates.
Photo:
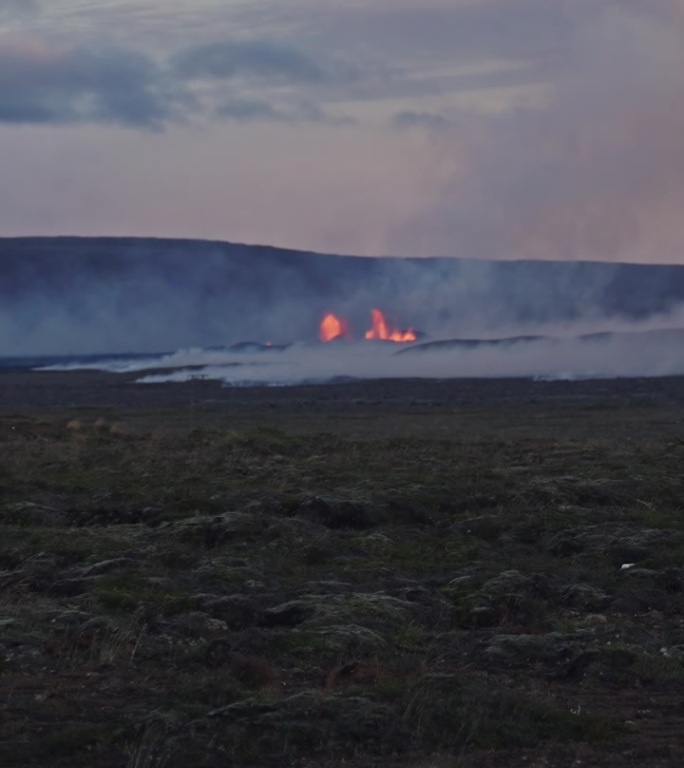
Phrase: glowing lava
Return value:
(332, 327)
(380, 329)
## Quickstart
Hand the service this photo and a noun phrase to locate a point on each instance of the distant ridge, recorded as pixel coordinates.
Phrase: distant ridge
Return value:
(509, 341)
(82, 294)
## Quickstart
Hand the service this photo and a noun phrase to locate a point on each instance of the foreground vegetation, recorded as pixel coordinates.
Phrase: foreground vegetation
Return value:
(419, 589)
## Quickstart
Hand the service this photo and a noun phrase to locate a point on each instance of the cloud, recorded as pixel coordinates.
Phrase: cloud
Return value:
(249, 58)
(594, 172)
(106, 84)
(432, 120)
(485, 30)
(41, 83)
(251, 110)
(12, 8)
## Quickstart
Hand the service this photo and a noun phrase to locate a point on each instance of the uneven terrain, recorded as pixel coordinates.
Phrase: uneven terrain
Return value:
(408, 574)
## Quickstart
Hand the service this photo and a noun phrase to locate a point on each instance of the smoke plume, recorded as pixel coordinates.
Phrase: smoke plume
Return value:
(81, 295)
(594, 170)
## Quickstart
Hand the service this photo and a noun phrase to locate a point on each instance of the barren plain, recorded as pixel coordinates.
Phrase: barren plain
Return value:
(397, 574)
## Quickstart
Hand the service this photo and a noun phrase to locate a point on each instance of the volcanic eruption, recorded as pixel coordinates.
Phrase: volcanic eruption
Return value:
(333, 327)
(380, 330)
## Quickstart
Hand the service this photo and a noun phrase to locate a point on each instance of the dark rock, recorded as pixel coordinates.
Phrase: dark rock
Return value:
(606, 661)
(196, 623)
(246, 709)
(106, 566)
(564, 545)
(26, 513)
(401, 512)
(485, 527)
(215, 530)
(515, 583)
(311, 721)
(317, 555)
(516, 650)
(288, 614)
(37, 572)
(333, 513)
(510, 596)
(483, 617)
(250, 671)
(238, 611)
(641, 574)
(70, 587)
(327, 587)
(629, 604)
(525, 532)
(584, 597)
(671, 580)
(619, 544)
(462, 581)
(68, 619)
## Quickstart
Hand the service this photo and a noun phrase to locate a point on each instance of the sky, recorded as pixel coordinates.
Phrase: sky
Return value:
(474, 128)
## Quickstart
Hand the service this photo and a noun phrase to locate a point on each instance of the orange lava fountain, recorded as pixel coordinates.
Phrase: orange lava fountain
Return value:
(332, 327)
(380, 329)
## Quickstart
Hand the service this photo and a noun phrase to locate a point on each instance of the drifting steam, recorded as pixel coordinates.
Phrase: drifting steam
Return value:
(653, 353)
(395, 317)
(598, 355)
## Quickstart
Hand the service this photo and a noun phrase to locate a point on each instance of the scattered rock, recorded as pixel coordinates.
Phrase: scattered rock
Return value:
(327, 723)
(353, 673)
(584, 597)
(106, 566)
(251, 671)
(215, 530)
(352, 639)
(485, 527)
(237, 611)
(26, 513)
(603, 660)
(288, 614)
(196, 623)
(516, 650)
(510, 596)
(671, 580)
(70, 587)
(335, 513)
(643, 574)
(620, 544)
(482, 618)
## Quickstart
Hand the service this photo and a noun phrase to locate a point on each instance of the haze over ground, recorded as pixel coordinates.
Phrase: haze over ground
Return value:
(476, 128)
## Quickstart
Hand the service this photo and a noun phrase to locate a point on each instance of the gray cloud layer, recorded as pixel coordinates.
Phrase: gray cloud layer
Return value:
(10, 8)
(108, 84)
(256, 58)
(370, 51)
(84, 85)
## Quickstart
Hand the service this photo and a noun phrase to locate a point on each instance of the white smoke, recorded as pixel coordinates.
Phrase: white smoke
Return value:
(652, 353)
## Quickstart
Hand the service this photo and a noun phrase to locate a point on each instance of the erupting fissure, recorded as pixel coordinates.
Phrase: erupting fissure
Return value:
(333, 327)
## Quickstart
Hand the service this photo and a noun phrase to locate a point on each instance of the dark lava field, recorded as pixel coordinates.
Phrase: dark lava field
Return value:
(386, 574)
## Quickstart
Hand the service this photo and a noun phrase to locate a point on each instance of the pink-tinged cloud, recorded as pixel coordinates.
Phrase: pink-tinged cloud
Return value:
(596, 171)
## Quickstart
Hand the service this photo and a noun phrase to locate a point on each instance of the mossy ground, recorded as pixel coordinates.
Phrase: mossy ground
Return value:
(398, 584)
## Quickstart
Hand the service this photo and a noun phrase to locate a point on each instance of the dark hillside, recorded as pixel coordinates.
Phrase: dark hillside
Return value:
(65, 295)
